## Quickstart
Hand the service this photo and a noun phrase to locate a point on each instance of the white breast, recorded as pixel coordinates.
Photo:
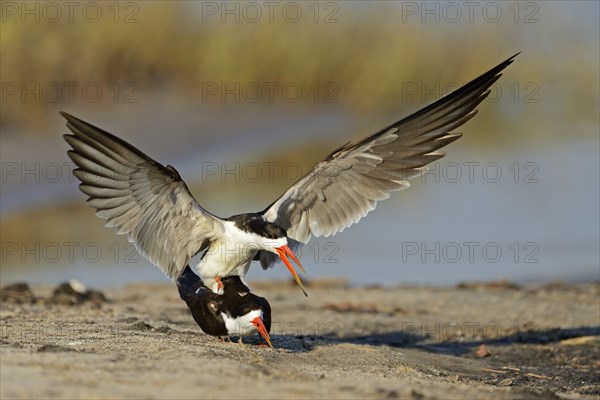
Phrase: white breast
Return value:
(233, 254)
(241, 326)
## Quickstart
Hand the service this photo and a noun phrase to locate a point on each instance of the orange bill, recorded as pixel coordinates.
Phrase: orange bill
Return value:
(262, 329)
(285, 251)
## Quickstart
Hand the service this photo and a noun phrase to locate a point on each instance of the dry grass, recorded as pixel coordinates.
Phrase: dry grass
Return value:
(368, 54)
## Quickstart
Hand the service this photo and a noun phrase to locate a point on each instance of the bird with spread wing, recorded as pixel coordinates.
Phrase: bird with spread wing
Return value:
(152, 205)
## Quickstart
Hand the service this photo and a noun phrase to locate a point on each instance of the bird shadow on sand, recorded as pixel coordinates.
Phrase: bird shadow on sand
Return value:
(546, 336)
(307, 343)
(452, 346)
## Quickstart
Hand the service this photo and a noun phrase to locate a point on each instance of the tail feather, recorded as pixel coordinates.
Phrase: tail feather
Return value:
(188, 284)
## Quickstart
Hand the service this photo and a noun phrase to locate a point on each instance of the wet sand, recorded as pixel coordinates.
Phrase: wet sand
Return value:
(494, 340)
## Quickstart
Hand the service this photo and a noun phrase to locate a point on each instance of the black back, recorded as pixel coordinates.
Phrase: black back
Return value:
(206, 306)
(255, 222)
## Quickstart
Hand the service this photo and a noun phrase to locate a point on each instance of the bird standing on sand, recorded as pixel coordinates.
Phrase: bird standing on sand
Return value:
(153, 206)
(236, 312)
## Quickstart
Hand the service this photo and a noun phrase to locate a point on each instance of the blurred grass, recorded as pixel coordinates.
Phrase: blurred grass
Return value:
(369, 53)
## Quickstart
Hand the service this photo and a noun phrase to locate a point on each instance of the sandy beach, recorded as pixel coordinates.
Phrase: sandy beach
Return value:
(487, 340)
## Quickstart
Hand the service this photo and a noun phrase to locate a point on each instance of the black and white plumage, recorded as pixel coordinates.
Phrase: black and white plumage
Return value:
(153, 206)
(236, 312)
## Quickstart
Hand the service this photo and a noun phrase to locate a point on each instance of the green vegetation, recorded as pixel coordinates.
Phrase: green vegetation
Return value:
(368, 52)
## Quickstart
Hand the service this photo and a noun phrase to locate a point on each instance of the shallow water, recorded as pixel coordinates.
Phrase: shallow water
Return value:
(524, 213)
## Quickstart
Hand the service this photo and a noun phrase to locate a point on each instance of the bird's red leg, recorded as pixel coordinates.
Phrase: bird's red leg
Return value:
(219, 283)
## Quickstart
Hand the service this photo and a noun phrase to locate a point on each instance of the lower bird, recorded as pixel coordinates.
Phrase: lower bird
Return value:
(153, 206)
(236, 312)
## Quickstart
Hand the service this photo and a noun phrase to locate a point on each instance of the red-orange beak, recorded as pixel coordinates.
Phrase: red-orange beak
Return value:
(258, 323)
(285, 251)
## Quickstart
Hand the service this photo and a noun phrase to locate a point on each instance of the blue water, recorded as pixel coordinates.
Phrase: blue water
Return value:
(536, 221)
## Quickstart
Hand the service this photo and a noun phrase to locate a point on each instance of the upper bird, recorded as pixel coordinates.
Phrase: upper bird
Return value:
(153, 206)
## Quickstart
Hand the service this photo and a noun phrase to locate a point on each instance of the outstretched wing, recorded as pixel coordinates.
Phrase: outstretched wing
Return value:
(140, 197)
(343, 188)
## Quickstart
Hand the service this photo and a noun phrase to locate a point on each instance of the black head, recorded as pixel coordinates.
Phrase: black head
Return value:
(239, 301)
(257, 224)
(233, 285)
(271, 231)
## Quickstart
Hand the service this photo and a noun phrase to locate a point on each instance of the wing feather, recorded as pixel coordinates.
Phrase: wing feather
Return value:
(338, 191)
(146, 201)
